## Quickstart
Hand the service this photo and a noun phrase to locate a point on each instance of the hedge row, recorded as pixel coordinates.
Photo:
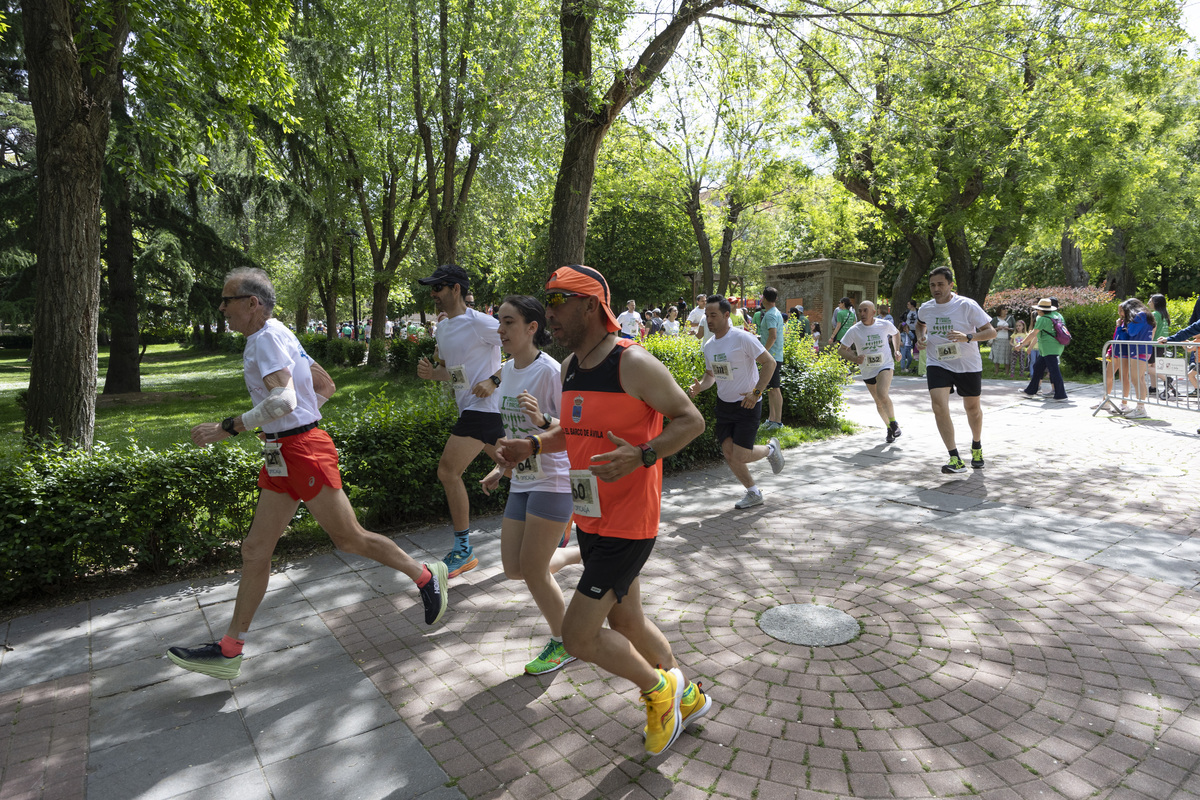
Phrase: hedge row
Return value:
(65, 515)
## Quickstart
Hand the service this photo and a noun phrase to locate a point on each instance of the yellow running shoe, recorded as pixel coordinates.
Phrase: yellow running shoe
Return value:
(694, 704)
(662, 712)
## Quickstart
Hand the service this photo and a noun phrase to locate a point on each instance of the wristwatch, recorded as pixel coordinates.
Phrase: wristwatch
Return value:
(227, 426)
(970, 336)
(545, 421)
(648, 455)
(495, 380)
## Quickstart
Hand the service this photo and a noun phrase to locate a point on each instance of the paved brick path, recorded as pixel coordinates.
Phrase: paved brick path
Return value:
(43, 740)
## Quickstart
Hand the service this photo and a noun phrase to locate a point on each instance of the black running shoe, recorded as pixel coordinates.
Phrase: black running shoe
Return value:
(956, 465)
(896, 430)
(976, 458)
(891, 436)
(207, 659)
(433, 593)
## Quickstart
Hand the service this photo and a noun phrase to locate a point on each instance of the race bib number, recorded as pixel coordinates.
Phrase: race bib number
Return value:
(458, 377)
(1171, 367)
(722, 371)
(276, 466)
(585, 492)
(873, 360)
(529, 470)
(947, 352)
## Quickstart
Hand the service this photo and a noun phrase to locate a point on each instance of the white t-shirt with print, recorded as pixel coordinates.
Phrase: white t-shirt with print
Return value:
(269, 349)
(671, 327)
(874, 344)
(960, 314)
(543, 380)
(696, 317)
(470, 346)
(630, 322)
(731, 360)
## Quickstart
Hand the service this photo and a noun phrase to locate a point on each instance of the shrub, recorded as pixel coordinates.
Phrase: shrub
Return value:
(1091, 327)
(66, 514)
(404, 353)
(389, 457)
(16, 341)
(812, 383)
(1022, 301)
(682, 357)
(1181, 312)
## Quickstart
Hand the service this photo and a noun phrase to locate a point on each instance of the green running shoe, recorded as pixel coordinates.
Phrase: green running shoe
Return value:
(554, 656)
(976, 458)
(956, 465)
(207, 659)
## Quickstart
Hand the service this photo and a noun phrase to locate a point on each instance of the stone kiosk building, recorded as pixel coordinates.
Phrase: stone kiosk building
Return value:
(819, 284)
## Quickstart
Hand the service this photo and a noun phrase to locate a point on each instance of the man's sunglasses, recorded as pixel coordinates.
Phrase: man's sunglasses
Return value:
(558, 298)
(227, 300)
(437, 287)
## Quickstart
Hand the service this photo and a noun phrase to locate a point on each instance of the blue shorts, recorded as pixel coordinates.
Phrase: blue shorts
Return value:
(554, 506)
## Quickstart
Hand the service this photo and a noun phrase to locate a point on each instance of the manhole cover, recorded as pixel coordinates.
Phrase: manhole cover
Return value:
(1152, 470)
(809, 624)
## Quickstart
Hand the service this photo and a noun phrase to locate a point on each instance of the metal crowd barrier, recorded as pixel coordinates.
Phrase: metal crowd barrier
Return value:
(1169, 377)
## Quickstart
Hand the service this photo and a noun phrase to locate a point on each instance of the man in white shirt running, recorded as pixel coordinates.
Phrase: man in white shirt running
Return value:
(875, 341)
(696, 320)
(468, 352)
(951, 327)
(630, 321)
(741, 367)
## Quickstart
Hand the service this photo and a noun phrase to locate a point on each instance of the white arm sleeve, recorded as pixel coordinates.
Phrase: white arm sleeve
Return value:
(279, 403)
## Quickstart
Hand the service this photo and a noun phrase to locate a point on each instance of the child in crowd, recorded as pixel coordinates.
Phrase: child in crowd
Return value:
(816, 336)
(1020, 357)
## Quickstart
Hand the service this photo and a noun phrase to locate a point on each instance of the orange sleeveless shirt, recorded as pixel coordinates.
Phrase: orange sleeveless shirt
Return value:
(594, 403)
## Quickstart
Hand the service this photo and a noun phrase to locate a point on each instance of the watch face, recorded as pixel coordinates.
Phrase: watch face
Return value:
(649, 456)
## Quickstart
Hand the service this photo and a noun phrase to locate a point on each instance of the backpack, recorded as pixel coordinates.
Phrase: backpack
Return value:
(1061, 334)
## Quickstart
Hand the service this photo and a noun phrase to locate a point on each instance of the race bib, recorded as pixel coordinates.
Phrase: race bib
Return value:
(947, 352)
(276, 466)
(458, 377)
(722, 371)
(529, 470)
(585, 492)
(873, 360)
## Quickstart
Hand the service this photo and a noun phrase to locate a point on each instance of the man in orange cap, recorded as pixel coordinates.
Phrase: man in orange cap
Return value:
(615, 396)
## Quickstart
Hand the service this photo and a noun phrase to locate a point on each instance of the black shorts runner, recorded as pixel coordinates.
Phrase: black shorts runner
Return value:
(486, 426)
(610, 563)
(872, 380)
(737, 423)
(967, 384)
(774, 384)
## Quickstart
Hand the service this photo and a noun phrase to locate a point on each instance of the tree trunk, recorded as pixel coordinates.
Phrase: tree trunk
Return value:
(733, 212)
(573, 195)
(695, 214)
(973, 278)
(1121, 279)
(302, 314)
(1072, 255)
(920, 256)
(124, 352)
(378, 345)
(71, 100)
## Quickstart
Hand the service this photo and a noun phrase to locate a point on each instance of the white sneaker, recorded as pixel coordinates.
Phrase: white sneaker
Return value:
(750, 500)
(1137, 413)
(775, 456)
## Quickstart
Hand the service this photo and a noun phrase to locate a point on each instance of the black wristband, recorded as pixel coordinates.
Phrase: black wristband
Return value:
(227, 426)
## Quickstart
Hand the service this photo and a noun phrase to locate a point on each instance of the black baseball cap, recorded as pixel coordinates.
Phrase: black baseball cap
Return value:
(448, 273)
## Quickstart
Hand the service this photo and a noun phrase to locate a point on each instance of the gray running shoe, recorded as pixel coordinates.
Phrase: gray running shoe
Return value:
(749, 501)
(1137, 413)
(775, 456)
(207, 659)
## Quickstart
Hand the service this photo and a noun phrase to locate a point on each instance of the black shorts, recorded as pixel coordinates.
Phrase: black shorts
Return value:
(871, 381)
(610, 563)
(774, 384)
(737, 423)
(967, 384)
(486, 426)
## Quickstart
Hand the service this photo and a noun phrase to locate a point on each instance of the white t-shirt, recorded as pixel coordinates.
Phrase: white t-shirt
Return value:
(731, 360)
(873, 343)
(671, 327)
(387, 328)
(630, 322)
(960, 314)
(696, 317)
(543, 380)
(269, 349)
(470, 346)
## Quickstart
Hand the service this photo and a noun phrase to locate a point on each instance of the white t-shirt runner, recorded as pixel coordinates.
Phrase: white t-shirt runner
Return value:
(543, 380)
(269, 349)
(696, 316)
(960, 314)
(872, 343)
(630, 322)
(731, 360)
(470, 346)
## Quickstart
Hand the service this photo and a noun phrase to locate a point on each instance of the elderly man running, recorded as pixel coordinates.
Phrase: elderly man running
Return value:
(301, 466)
(876, 341)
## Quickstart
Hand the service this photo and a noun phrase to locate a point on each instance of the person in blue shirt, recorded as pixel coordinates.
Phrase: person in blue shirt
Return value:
(770, 333)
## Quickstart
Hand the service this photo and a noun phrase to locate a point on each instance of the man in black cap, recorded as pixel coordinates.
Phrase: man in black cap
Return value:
(468, 355)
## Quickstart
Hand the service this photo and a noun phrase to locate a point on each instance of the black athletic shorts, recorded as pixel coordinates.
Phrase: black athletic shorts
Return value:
(872, 380)
(737, 423)
(610, 563)
(967, 384)
(486, 426)
(774, 384)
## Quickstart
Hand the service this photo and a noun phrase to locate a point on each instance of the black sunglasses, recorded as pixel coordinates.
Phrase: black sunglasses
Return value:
(227, 300)
(437, 287)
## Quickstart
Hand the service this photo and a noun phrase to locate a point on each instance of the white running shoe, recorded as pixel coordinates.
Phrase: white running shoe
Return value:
(750, 500)
(775, 456)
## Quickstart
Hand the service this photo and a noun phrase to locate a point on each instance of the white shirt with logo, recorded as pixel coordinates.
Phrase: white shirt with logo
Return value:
(960, 314)
(269, 349)
(630, 322)
(543, 380)
(470, 346)
(731, 360)
(873, 343)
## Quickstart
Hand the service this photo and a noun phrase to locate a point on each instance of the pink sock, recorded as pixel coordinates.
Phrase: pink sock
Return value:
(425, 576)
(231, 647)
